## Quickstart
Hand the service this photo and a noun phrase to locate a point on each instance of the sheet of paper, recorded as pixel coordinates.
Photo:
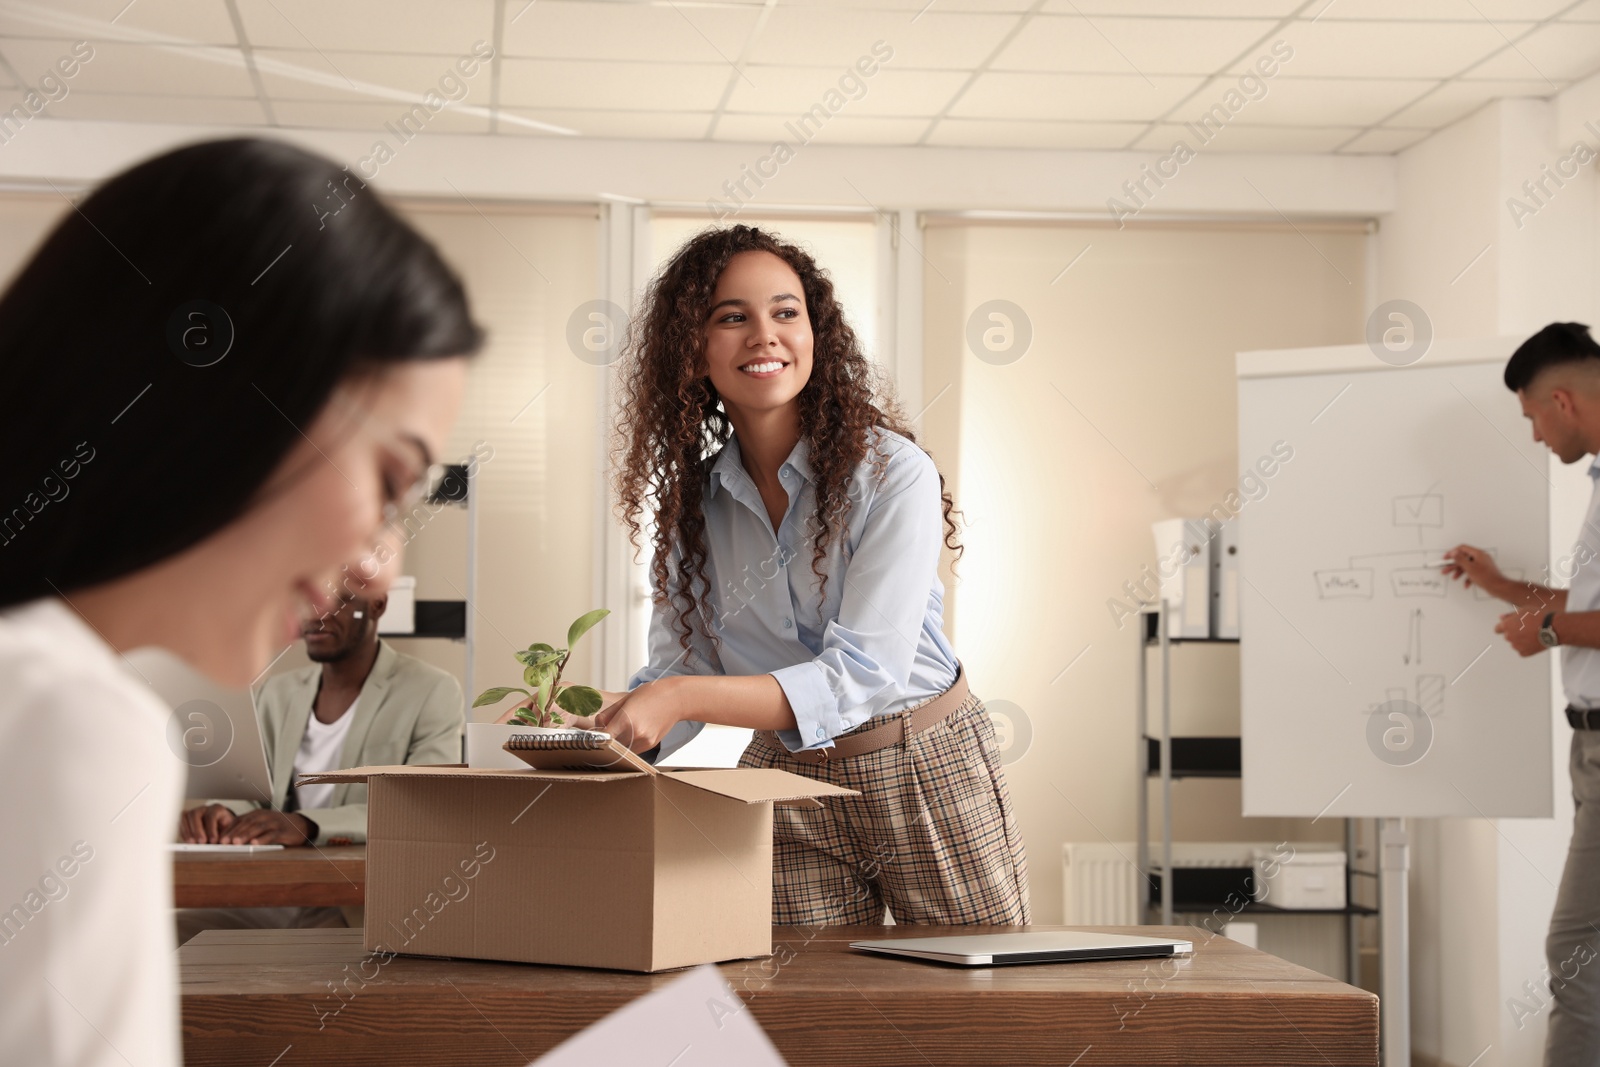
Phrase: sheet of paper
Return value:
(696, 1021)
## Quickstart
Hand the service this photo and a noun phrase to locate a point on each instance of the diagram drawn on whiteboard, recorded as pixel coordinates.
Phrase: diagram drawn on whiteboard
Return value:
(1404, 574)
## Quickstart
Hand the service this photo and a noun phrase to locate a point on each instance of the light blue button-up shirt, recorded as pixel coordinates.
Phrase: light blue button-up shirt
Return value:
(871, 644)
(1580, 667)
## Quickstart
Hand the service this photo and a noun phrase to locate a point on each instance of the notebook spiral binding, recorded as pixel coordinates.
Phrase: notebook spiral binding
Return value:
(559, 740)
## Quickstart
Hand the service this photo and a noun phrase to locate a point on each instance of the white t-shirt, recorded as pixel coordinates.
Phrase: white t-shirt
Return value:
(91, 794)
(319, 751)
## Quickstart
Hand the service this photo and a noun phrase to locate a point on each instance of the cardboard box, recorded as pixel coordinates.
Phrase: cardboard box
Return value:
(615, 865)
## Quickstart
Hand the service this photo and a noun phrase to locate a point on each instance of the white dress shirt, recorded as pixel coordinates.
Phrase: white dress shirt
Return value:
(91, 794)
(871, 644)
(1580, 667)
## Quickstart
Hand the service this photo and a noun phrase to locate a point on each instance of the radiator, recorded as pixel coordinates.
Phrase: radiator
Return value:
(1101, 887)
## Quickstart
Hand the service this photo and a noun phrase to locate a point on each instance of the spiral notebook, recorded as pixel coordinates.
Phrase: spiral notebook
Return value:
(555, 749)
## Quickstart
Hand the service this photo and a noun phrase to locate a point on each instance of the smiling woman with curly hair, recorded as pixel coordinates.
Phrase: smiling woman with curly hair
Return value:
(796, 529)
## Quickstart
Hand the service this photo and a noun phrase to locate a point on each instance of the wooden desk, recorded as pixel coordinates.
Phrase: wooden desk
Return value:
(248, 995)
(297, 877)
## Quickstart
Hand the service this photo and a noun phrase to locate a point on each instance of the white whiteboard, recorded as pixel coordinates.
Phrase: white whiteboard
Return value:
(1371, 686)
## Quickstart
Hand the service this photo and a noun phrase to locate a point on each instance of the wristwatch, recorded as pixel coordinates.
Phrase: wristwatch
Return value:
(1547, 632)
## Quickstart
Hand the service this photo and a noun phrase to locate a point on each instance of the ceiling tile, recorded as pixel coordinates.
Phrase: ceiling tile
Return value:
(139, 107)
(1120, 46)
(1479, 11)
(375, 118)
(198, 70)
(1588, 11)
(369, 25)
(840, 129)
(1385, 141)
(540, 83)
(933, 40)
(1389, 49)
(684, 32)
(181, 20)
(1239, 138)
(1455, 100)
(1103, 97)
(293, 75)
(793, 90)
(913, 7)
(996, 133)
(1306, 102)
(1559, 52)
(1179, 8)
(639, 125)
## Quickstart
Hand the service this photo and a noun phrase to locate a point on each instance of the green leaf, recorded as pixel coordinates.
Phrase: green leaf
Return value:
(540, 659)
(580, 699)
(583, 624)
(526, 715)
(533, 676)
(555, 717)
(545, 682)
(540, 646)
(496, 695)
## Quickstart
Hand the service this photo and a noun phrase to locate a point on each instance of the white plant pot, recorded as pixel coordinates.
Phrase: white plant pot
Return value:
(485, 741)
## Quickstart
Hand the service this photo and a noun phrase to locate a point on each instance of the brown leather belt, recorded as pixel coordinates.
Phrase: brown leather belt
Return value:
(891, 733)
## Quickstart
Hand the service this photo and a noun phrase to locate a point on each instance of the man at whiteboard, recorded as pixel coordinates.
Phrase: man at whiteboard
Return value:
(1556, 376)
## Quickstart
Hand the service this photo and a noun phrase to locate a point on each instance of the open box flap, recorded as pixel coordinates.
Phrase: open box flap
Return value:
(760, 785)
(363, 774)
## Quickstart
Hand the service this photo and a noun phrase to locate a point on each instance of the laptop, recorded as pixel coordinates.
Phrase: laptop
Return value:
(213, 731)
(1029, 946)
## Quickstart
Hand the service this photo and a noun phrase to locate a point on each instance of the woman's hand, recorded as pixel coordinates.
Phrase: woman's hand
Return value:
(641, 718)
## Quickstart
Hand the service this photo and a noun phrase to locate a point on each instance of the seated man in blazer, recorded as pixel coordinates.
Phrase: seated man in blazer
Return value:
(362, 704)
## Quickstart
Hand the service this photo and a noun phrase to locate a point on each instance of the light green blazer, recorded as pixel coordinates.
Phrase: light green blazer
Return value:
(408, 712)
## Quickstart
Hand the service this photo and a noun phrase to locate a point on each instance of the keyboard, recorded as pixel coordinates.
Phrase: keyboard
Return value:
(180, 847)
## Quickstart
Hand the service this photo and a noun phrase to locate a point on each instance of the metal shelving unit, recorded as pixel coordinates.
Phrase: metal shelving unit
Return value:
(1167, 759)
(451, 619)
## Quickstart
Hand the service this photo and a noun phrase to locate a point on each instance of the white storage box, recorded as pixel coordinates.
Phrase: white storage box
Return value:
(1299, 880)
(486, 740)
(400, 617)
(1183, 563)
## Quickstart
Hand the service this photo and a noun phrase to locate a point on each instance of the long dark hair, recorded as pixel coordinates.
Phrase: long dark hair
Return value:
(170, 340)
(672, 418)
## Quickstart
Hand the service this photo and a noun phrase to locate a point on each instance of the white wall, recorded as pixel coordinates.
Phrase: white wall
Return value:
(1453, 247)
(691, 172)
(1122, 411)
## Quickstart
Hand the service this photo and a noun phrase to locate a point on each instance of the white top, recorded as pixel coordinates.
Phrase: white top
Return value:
(319, 751)
(91, 794)
(1580, 667)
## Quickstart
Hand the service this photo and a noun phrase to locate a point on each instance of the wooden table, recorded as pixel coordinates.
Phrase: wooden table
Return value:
(286, 997)
(297, 877)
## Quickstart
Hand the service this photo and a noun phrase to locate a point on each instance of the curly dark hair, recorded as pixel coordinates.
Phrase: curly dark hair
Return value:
(672, 420)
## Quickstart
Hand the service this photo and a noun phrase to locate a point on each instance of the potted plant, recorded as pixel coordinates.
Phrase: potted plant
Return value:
(542, 666)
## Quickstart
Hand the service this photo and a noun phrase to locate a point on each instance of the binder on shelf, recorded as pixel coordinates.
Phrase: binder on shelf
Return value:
(1183, 555)
(1225, 580)
(400, 617)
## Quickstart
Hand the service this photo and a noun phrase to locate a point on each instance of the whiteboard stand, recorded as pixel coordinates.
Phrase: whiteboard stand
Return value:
(1167, 875)
(1394, 1001)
